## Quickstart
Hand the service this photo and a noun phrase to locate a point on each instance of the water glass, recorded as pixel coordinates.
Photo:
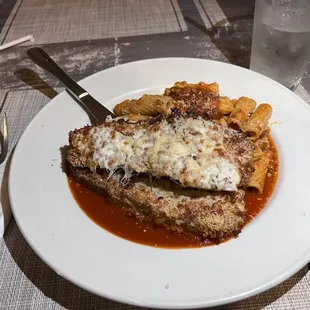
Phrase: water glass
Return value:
(281, 40)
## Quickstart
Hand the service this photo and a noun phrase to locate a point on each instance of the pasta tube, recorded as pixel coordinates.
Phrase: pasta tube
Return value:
(263, 143)
(240, 114)
(213, 87)
(226, 105)
(258, 153)
(146, 105)
(258, 121)
(222, 121)
(258, 177)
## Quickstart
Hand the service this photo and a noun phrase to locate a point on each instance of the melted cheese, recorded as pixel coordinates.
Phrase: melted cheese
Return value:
(186, 151)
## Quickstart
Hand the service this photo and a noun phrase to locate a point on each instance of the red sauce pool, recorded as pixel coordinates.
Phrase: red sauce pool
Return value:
(111, 216)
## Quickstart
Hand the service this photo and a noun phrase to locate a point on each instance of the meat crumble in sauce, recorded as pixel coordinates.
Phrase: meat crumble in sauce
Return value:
(112, 217)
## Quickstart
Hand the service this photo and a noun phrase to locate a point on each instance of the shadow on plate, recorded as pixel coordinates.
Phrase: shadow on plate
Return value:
(70, 296)
(32, 79)
(63, 155)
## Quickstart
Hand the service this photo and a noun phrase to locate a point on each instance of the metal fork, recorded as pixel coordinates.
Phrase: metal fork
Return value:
(4, 140)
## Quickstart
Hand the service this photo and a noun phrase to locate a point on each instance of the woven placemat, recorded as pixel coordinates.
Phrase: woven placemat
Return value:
(71, 20)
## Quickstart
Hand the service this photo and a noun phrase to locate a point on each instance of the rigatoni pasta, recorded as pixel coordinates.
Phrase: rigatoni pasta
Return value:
(240, 114)
(146, 105)
(226, 105)
(258, 152)
(213, 87)
(257, 180)
(263, 143)
(258, 121)
(222, 120)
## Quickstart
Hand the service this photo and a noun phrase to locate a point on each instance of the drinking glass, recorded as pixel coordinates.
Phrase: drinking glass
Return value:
(281, 40)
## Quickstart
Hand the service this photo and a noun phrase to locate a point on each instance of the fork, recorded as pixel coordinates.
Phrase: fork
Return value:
(4, 140)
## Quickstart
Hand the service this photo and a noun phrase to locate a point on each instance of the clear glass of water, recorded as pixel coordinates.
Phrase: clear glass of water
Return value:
(281, 40)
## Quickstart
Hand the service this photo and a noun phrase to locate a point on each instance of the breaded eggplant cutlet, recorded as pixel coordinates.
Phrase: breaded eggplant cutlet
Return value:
(180, 171)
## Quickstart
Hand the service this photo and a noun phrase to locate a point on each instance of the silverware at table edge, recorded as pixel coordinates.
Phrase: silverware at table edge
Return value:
(4, 141)
(96, 111)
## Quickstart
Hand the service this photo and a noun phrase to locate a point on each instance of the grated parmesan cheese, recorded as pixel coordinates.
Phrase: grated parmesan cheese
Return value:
(191, 151)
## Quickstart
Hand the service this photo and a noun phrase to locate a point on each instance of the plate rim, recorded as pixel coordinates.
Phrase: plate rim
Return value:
(298, 265)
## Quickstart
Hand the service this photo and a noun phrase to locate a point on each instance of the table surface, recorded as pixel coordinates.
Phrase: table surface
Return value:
(85, 37)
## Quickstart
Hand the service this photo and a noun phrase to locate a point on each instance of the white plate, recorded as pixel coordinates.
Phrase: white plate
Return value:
(270, 249)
